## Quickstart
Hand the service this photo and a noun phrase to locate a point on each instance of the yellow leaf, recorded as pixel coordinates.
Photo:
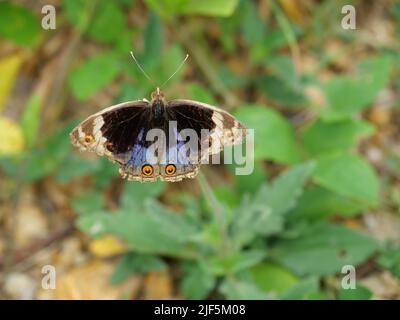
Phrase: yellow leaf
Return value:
(9, 67)
(11, 137)
(106, 246)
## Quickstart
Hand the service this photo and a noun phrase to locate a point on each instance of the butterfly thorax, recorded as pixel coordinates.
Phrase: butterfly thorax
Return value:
(158, 105)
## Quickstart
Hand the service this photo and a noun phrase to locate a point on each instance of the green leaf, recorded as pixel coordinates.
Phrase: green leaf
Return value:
(105, 173)
(31, 120)
(234, 262)
(222, 8)
(302, 290)
(47, 159)
(348, 175)
(281, 91)
(251, 183)
(254, 30)
(287, 188)
(109, 23)
(88, 203)
(135, 194)
(347, 95)
(199, 93)
(323, 137)
(390, 260)
(274, 136)
(196, 282)
(283, 85)
(76, 166)
(153, 37)
(96, 223)
(170, 60)
(360, 293)
(273, 278)
(318, 203)
(79, 12)
(154, 229)
(324, 249)
(94, 74)
(18, 24)
(236, 289)
(132, 263)
(263, 214)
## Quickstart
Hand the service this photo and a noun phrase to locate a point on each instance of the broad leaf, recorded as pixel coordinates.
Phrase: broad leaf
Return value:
(196, 282)
(348, 175)
(94, 74)
(132, 263)
(274, 136)
(324, 249)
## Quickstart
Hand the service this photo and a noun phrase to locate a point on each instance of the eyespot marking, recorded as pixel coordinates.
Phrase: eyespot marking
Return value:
(88, 139)
(147, 170)
(170, 169)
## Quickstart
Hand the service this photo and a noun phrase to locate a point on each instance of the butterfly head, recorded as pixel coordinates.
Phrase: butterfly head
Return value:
(158, 104)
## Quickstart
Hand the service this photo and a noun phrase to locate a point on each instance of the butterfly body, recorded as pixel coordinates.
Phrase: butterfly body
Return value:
(121, 133)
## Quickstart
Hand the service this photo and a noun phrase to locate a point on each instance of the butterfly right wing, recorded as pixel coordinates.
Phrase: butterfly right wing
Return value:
(224, 129)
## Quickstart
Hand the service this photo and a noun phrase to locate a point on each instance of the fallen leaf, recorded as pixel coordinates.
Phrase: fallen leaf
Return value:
(9, 67)
(106, 246)
(383, 285)
(11, 137)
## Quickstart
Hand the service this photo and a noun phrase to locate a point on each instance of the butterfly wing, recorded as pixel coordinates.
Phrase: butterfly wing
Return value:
(112, 132)
(224, 129)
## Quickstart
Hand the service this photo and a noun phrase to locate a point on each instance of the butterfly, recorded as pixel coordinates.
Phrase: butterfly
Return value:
(185, 134)
(119, 132)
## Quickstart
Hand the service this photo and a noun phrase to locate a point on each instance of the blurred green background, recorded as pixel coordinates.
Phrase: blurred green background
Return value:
(324, 103)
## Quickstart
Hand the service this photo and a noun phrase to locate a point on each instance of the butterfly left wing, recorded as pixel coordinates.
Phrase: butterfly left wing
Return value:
(112, 132)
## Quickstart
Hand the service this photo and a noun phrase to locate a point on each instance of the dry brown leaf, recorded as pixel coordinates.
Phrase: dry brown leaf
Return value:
(383, 226)
(383, 285)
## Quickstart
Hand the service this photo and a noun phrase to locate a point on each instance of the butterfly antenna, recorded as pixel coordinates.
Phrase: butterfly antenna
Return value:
(176, 71)
(141, 69)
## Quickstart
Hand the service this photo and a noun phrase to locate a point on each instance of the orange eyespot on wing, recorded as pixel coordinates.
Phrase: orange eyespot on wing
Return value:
(147, 170)
(88, 139)
(170, 169)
